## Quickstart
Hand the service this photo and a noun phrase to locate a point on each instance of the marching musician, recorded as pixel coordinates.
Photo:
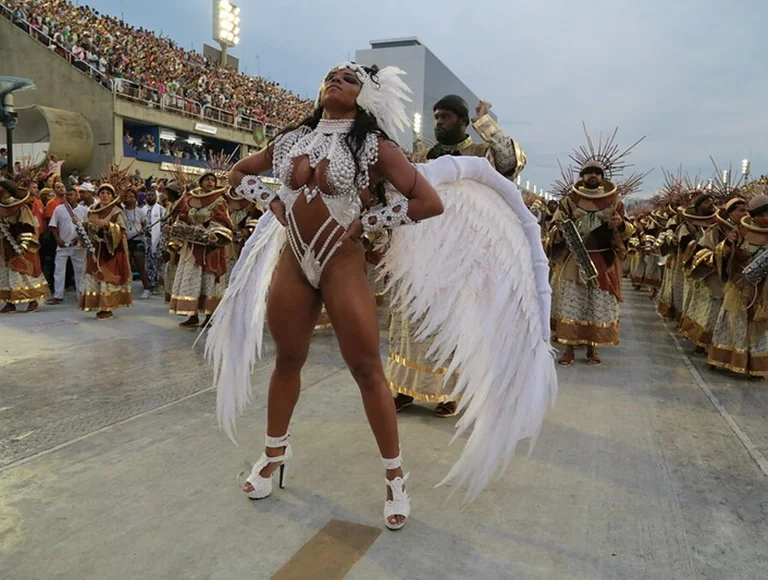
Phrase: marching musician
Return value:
(586, 312)
(740, 340)
(201, 275)
(106, 283)
(695, 221)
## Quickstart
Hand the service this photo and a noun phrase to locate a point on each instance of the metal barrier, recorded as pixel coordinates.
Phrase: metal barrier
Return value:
(183, 105)
(211, 113)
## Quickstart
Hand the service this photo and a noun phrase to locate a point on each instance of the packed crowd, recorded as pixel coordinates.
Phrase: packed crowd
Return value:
(165, 70)
(180, 148)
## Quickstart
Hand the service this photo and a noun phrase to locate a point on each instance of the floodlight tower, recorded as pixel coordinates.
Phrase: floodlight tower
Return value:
(226, 26)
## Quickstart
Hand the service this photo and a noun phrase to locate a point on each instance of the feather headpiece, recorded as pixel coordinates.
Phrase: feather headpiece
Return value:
(383, 95)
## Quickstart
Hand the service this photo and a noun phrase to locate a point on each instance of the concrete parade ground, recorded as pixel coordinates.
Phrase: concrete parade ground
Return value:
(112, 466)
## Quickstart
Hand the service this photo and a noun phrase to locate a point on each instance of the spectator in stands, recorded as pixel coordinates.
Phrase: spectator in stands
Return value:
(128, 139)
(3, 157)
(74, 178)
(137, 178)
(20, 18)
(148, 143)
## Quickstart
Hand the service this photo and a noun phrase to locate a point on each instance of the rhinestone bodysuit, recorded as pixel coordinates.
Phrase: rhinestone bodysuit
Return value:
(342, 201)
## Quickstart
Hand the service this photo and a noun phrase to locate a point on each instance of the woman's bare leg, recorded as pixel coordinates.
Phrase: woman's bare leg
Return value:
(351, 307)
(292, 310)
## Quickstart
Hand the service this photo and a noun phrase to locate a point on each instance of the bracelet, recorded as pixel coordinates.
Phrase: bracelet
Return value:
(253, 188)
(386, 217)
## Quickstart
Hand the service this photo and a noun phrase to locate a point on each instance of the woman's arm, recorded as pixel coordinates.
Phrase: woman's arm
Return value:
(255, 164)
(422, 201)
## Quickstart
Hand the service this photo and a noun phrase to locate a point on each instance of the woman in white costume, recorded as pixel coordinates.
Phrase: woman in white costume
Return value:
(342, 178)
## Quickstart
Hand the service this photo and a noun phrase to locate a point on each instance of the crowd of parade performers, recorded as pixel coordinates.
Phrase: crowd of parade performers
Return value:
(689, 249)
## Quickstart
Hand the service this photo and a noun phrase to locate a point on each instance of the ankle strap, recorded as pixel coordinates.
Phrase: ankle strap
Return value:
(393, 463)
(277, 441)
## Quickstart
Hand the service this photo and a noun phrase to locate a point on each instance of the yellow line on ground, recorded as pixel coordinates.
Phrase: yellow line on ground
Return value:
(331, 553)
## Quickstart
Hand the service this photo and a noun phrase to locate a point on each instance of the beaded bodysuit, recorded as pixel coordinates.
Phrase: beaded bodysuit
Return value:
(343, 198)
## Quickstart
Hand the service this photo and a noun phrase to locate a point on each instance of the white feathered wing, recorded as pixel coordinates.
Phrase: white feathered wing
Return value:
(475, 280)
(237, 329)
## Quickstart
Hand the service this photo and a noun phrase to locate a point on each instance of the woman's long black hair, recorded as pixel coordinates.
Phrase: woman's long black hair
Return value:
(364, 124)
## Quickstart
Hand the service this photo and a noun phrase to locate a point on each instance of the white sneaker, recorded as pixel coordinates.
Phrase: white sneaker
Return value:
(144, 295)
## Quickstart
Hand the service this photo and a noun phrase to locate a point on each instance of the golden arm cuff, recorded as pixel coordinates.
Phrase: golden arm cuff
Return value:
(508, 157)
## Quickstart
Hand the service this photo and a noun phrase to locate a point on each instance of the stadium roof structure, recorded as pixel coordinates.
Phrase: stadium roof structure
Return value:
(394, 42)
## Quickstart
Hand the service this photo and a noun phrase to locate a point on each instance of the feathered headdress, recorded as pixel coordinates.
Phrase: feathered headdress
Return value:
(180, 176)
(723, 186)
(119, 179)
(221, 164)
(607, 154)
(609, 157)
(383, 95)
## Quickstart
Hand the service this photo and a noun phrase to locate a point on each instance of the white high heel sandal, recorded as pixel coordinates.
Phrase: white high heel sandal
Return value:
(400, 504)
(262, 486)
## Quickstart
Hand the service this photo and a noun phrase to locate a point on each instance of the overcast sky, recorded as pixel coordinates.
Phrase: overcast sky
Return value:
(689, 74)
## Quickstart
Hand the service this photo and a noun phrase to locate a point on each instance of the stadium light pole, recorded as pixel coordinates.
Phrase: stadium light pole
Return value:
(416, 131)
(226, 26)
(8, 115)
(745, 165)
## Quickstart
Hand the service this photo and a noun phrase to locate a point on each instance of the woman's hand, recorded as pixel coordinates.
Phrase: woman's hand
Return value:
(353, 233)
(277, 207)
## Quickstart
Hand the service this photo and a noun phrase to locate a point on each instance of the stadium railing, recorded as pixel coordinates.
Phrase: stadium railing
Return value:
(132, 91)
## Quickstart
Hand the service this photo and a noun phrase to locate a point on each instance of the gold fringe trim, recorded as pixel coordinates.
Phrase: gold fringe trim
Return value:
(24, 294)
(693, 331)
(586, 322)
(106, 301)
(396, 358)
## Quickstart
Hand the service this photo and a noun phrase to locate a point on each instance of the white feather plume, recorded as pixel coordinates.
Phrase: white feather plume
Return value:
(476, 281)
(384, 96)
(237, 328)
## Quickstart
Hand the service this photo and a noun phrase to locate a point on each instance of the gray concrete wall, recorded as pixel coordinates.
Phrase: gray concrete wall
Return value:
(428, 78)
(59, 85)
(411, 60)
